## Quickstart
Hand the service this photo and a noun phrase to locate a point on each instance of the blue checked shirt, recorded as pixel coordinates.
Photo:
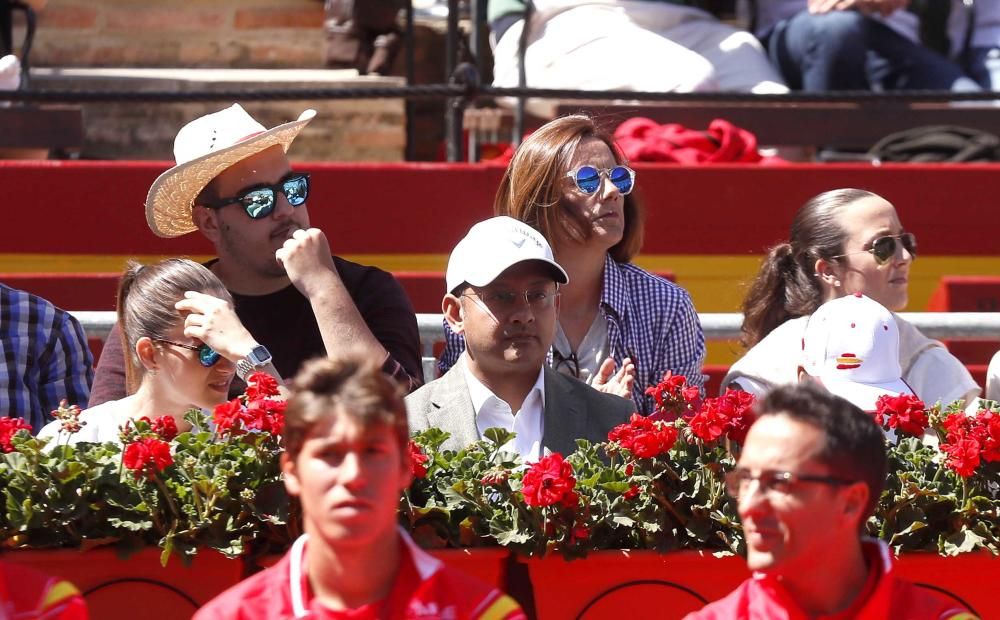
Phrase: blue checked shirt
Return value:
(650, 320)
(44, 358)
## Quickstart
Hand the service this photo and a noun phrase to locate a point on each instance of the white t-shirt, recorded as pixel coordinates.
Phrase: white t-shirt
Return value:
(102, 424)
(993, 378)
(593, 350)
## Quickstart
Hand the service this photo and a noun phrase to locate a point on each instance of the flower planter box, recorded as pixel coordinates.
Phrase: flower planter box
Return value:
(645, 583)
(489, 565)
(970, 578)
(113, 586)
(667, 586)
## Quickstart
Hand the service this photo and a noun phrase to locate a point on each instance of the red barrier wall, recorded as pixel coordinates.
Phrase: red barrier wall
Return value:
(97, 207)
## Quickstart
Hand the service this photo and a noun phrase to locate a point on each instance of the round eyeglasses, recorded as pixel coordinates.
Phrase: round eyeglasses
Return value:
(588, 178)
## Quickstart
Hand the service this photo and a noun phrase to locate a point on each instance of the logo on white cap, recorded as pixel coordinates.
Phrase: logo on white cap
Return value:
(851, 345)
(494, 245)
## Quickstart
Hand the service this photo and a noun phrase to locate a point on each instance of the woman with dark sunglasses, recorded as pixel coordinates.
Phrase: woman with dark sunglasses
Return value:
(184, 340)
(620, 327)
(843, 242)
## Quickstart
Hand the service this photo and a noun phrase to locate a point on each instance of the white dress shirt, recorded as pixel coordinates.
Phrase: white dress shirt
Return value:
(527, 423)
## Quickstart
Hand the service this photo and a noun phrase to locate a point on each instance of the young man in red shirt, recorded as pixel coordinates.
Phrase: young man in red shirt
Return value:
(347, 460)
(809, 476)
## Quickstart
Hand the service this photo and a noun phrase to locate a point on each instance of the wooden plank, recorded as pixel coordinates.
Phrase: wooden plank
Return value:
(829, 125)
(46, 128)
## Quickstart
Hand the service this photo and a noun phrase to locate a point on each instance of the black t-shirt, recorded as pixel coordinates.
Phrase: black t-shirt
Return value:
(284, 322)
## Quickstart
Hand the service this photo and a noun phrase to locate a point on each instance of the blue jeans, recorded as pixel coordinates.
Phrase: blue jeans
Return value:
(844, 50)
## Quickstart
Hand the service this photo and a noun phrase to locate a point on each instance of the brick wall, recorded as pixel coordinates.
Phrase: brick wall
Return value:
(180, 33)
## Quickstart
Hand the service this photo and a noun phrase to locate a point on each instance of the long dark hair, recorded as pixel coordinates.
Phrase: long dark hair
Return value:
(787, 285)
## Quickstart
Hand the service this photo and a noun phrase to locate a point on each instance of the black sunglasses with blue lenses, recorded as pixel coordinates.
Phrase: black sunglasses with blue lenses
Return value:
(588, 178)
(207, 356)
(259, 201)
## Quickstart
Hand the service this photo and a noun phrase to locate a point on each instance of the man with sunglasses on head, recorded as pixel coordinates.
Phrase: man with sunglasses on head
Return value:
(503, 297)
(234, 184)
(810, 474)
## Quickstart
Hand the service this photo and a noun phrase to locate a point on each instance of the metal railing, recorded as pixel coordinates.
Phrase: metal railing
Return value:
(717, 326)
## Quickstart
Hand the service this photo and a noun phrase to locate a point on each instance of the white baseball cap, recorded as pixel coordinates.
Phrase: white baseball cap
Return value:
(851, 347)
(494, 245)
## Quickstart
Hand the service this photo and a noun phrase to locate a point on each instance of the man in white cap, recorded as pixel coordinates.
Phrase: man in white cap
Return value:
(233, 183)
(503, 296)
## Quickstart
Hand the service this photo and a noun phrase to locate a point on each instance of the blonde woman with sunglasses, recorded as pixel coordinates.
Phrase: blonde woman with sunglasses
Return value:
(183, 340)
(620, 327)
(843, 242)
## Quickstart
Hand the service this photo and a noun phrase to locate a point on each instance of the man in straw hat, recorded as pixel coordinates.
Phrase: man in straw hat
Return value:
(234, 184)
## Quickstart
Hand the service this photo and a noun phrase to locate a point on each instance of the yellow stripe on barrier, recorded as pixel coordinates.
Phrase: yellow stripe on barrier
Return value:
(716, 283)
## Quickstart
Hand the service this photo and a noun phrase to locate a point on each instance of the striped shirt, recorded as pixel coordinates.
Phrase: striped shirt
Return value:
(650, 320)
(45, 358)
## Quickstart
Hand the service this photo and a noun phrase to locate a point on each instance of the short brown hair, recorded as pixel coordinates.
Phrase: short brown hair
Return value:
(352, 384)
(530, 188)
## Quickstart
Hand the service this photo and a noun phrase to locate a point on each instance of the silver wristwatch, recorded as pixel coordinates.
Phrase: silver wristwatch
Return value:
(258, 357)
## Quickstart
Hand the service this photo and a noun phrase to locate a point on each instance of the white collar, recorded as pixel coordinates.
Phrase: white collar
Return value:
(481, 394)
(425, 563)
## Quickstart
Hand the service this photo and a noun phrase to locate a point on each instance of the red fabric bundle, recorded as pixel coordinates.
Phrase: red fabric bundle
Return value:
(642, 139)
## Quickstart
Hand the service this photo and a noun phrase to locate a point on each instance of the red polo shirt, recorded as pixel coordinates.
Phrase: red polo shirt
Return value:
(424, 588)
(884, 597)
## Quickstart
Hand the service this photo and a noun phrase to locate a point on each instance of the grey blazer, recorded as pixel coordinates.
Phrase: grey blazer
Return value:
(573, 410)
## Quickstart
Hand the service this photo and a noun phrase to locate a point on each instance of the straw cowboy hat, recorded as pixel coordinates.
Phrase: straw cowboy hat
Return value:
(203, 149)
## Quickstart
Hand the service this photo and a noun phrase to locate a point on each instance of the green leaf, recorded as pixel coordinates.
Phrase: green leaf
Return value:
(498, 436)
(962, 542)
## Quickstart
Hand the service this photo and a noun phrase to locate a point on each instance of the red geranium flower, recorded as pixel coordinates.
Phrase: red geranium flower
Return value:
(8, 428)
(261, 385)
(905, 412)
(709, 423)
(549, 481)
(737, 407)
(963, 455)
(633, 491)
(991, 445)
(147, 456)
(417, 460)
(674, 398)
(644, 437)
(579, 532)
(227, 416)
(164, 426)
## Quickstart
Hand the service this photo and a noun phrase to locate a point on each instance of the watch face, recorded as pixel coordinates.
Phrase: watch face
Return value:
(260, 355)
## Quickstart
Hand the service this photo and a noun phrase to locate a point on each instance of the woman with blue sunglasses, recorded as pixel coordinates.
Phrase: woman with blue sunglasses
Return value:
(620, 327)
(842, 242)
(183, 338)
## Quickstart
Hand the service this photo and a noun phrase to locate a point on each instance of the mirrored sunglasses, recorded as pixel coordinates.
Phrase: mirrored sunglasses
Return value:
(207, 356)
(259, 201)
(885, 248)
(588, 178)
